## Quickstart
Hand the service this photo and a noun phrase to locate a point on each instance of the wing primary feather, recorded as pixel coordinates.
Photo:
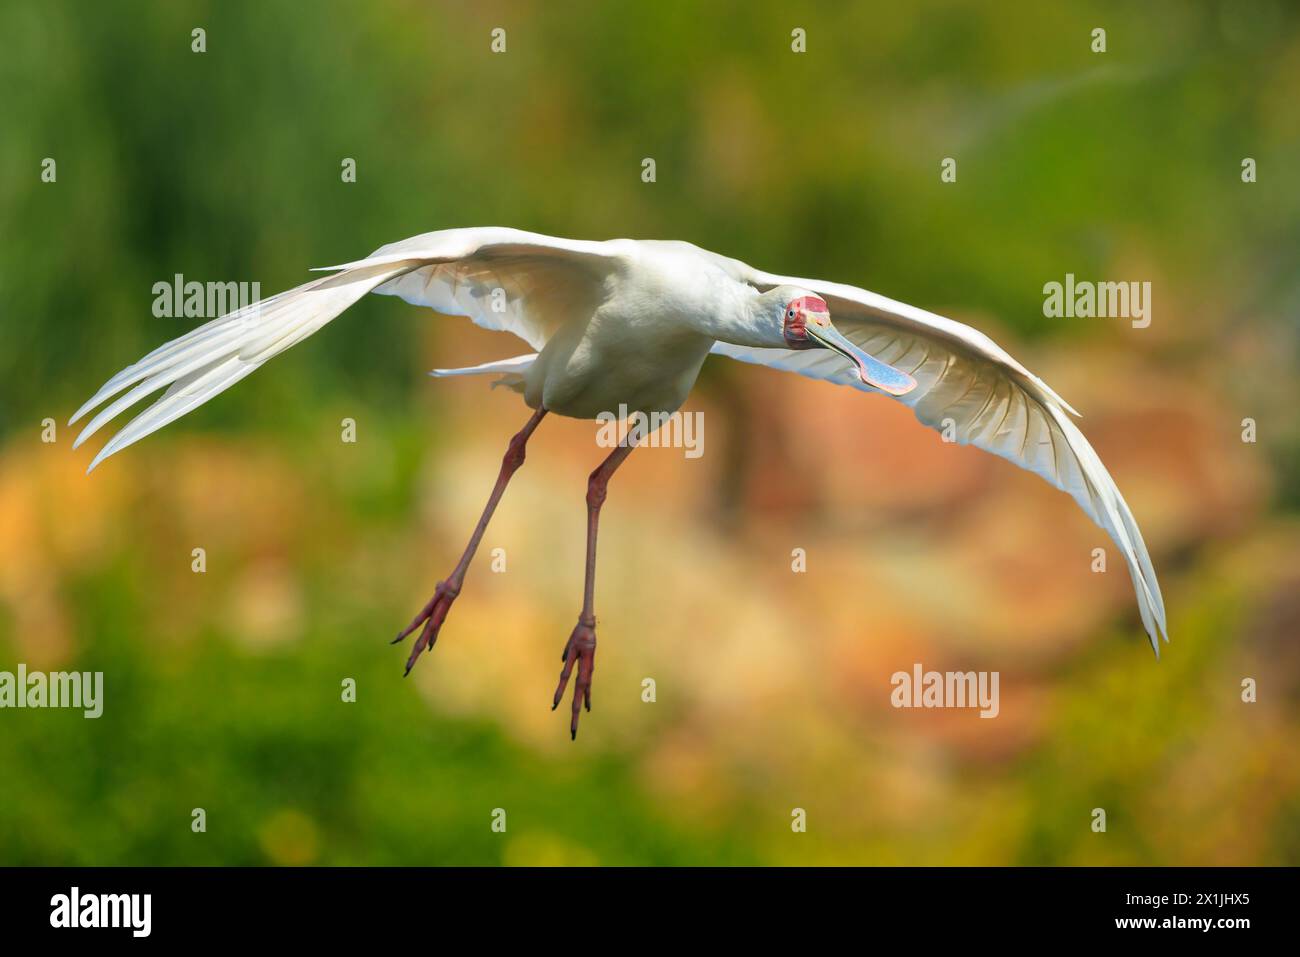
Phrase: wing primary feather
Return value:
(210, 359)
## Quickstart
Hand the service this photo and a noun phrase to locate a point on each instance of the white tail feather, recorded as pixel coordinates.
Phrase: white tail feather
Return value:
(512, 371)
(517, 365)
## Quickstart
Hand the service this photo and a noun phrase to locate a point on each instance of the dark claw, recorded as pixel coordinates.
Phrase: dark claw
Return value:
(431, 616)
(579, 650)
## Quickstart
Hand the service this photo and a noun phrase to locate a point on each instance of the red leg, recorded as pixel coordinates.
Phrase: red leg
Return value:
(581, 646)
(435, 612)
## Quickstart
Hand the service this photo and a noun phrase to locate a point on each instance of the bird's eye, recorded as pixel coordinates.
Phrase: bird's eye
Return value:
(789, 314)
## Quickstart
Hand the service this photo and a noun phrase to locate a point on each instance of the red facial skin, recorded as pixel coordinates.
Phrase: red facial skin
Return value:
(798, 314)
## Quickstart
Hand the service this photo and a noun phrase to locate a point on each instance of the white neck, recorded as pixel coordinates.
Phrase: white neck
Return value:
(742, 316)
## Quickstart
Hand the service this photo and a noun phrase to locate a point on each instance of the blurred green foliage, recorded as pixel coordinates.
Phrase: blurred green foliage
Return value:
(226, 165)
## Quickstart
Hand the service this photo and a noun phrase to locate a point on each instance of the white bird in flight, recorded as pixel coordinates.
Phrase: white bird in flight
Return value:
(626, 325)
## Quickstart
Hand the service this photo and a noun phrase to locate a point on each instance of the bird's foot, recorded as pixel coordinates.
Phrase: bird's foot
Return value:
(581, 650)
(432, 616)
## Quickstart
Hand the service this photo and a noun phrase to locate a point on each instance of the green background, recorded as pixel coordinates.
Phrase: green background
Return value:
(223, 689)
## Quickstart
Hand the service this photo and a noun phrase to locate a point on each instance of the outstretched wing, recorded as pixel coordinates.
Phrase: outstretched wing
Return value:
(506, 279)
(969, 387)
